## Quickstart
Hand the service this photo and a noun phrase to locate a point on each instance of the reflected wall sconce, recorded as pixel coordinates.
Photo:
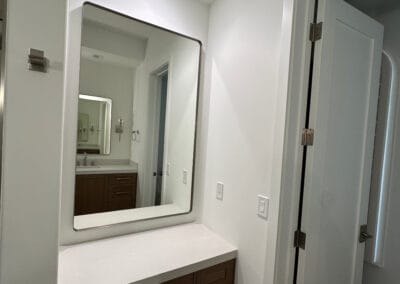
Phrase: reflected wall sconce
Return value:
(119, 128)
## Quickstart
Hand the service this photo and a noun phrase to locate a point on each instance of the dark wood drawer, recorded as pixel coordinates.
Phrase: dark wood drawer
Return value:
(117, 179)
(122, 197)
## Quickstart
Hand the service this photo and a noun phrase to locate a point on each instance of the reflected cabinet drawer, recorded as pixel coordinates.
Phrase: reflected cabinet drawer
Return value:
(223, 273)
(116, 179)
(122, 197)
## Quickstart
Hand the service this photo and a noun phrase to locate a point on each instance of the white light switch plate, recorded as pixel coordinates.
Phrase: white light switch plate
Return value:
(185, 177)
(168, 168)
(263, 206)
(220, 191)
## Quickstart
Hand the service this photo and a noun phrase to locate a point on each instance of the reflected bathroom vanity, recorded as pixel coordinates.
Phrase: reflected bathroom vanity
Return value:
(136, 120)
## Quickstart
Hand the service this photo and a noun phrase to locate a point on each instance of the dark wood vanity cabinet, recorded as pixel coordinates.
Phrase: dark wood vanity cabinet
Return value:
(187, 279)
(223, 273)
(97, 193)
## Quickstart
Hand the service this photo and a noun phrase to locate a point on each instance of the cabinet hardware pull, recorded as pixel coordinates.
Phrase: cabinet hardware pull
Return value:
(123, 178)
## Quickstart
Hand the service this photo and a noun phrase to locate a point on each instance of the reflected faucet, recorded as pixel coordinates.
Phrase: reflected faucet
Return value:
(85, 159)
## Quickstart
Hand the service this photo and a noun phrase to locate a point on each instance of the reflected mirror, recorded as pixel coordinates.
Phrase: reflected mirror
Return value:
(94, 125)
(137, 102)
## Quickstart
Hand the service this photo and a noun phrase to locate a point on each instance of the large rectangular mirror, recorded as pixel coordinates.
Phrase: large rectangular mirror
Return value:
(136, 120)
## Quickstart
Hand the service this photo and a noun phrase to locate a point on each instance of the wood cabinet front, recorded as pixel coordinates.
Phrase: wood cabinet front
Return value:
(187, 279)
(90, 194)
(97, 193)
(223, 273)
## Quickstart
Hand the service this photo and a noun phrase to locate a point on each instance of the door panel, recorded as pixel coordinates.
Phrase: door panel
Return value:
(90, 194)
(343, 113)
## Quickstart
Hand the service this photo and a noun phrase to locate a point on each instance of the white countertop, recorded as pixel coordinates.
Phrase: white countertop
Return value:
(147, 257)
(122, 216)
(106, 169)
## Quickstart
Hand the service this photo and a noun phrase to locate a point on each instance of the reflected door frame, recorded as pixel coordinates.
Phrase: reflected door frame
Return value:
(162, 111)
(161, 96)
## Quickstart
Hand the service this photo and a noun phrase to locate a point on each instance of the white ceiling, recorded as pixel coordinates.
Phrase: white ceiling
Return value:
(375, 6)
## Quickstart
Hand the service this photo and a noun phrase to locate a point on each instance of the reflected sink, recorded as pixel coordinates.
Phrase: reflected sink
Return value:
(88, 167)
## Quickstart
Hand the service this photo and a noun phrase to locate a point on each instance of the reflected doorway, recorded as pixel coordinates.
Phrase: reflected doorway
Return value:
(160, 130)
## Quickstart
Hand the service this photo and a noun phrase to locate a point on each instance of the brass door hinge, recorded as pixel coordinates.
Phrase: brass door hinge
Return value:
(315, 31)
(299, 239)
(364, 236)
(307, 137)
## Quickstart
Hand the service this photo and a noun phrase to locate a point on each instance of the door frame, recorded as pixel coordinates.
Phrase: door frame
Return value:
(293, 152)
(3, 52)
(292, 162)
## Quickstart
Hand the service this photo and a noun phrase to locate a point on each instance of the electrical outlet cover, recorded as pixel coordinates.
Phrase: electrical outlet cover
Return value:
(220, 191)
(263, 206)
(185, 177)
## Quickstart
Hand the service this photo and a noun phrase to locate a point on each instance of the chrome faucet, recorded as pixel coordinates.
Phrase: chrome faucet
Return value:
(85, 159)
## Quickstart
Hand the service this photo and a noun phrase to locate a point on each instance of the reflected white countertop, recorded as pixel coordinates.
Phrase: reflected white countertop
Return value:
(146, 258)
(129, 215)
(106, 169)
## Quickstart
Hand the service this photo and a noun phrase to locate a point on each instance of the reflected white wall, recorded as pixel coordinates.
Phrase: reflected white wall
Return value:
(182, 57)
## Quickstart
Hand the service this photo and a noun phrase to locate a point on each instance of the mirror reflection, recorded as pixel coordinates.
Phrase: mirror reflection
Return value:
(94, 125)
(136, 120)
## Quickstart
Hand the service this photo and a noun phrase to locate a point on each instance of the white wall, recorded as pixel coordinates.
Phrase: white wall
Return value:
(182, 56)
(245, 127)
(32, 144)
(183, 16)
(116, 83)
(390, 272)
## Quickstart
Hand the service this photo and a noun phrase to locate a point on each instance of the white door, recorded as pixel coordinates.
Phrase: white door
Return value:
(338, 167)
